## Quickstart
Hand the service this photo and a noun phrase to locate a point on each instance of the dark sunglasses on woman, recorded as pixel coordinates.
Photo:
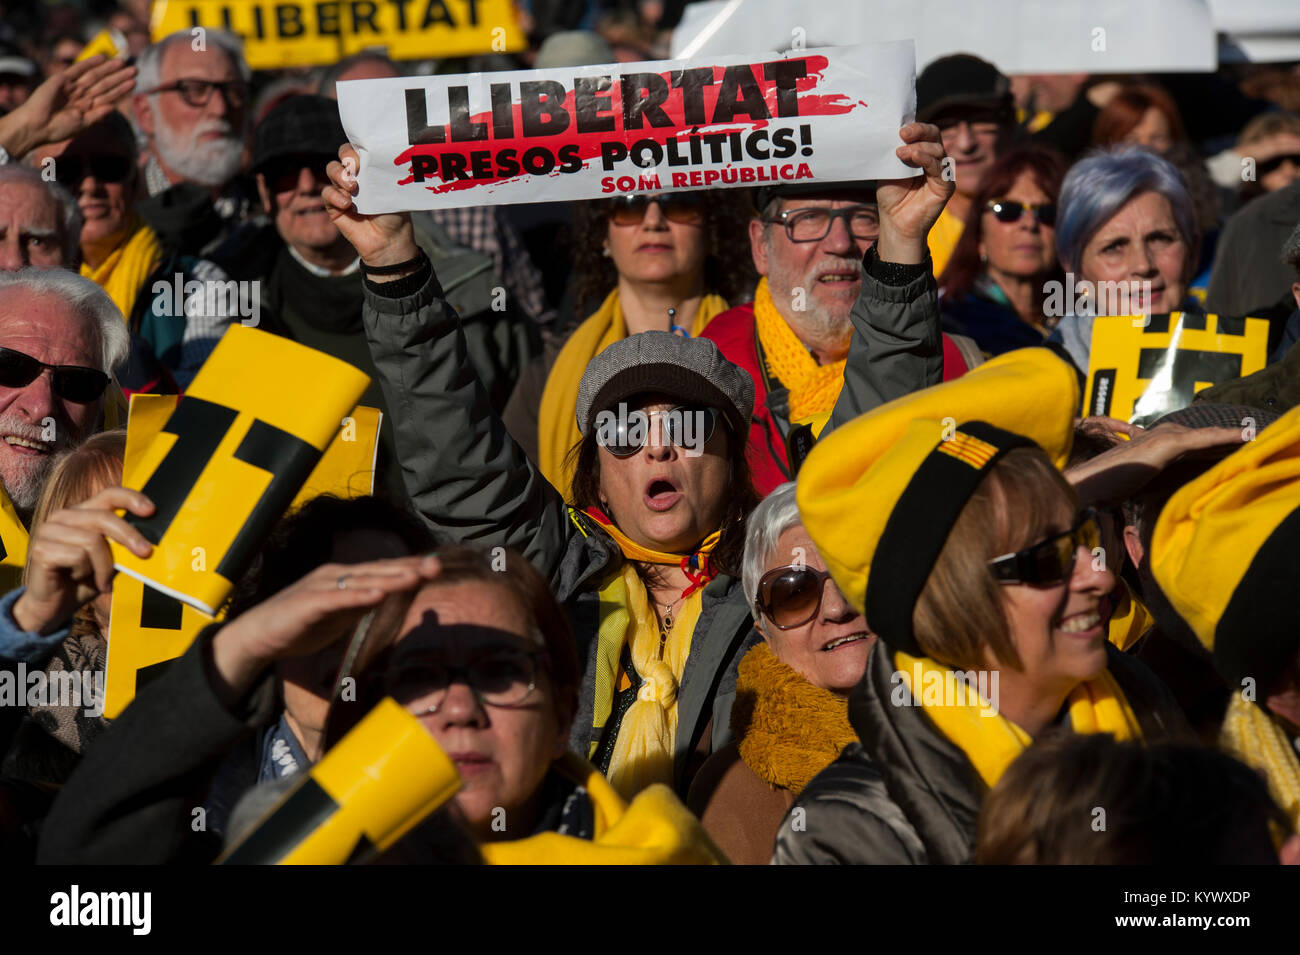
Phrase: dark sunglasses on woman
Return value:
(684, 208)
(70, 170)
(74, 383)
(1050, 561)
(632, 432)
(791, 596)
(1008, 211)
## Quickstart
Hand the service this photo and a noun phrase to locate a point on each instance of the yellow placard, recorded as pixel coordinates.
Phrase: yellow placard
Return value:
(13, 545)
(279, 34)
(367, 792)
(231, 458)
(147, 627)
(1143, 367)
(109, 42)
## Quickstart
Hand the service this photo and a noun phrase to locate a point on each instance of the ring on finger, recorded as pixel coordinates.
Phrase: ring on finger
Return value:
(343, 582)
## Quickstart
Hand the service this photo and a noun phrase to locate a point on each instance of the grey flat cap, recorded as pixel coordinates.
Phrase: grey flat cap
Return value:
(691, 370)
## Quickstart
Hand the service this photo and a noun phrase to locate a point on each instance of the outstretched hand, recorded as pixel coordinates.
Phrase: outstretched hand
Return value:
(910, 207)
(67, 103)
(380, 239)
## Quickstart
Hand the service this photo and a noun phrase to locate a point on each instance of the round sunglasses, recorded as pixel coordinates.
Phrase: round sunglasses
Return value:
(684, 208)
(1050, 561)
(1008, 211)
(70, 170)
(791, 596)
(74, 383)
(631, 432)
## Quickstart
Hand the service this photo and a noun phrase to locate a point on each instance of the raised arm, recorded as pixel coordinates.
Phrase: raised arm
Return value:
(461, 467)
(897, 347)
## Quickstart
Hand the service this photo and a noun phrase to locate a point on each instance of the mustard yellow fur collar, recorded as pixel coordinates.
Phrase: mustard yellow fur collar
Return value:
(789, 730)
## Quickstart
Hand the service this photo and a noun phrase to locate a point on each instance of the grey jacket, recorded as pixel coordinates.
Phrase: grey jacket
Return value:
(474, 484)
(905, 795)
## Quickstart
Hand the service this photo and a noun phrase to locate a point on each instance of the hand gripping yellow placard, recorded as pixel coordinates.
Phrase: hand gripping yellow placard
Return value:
(231, 458)
(1140, 369)
(282, 33)
(371, 789)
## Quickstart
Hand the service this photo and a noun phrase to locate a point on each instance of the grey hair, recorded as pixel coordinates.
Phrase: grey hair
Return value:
(775, 515)
(1100, 184)
(149, 62)
(84, 297)
(70, 221)
(330, 75)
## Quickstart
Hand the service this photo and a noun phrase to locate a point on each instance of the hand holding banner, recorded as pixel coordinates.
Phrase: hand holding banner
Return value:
(595, 131)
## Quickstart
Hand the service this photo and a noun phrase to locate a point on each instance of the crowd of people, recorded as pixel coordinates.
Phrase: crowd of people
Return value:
(708, 526)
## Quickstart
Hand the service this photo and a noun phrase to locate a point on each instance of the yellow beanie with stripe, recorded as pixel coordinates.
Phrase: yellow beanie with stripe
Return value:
(879, 495)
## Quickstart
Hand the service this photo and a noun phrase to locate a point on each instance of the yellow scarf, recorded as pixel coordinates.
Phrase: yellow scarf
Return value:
(991, 741)
(813, 387)
(557, 426)
(1126, 628)
(655, 829)
(122, 275)
(1251, 735)
(942, 239)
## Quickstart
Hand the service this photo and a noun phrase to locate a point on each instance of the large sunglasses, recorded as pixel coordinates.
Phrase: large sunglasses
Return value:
(503, 679)
(1008, 211)
(683, 208)
(1264, 167)
(71, 382)
(70, 170)
(631, 432)
(791, 596)
(197, 93)
(1050, 561)
(282, 174)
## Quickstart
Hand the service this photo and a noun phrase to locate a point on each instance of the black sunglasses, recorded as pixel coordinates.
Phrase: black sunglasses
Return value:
(282, 173)
(1268, 165)
(631, 432)
(71, 382)
(70, 170)
(1049, 561)
(791, 596)
(1008, 210)
(682, 207)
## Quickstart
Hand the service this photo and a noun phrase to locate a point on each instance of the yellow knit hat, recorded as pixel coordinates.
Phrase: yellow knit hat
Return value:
(1224, 553)
(895, 480)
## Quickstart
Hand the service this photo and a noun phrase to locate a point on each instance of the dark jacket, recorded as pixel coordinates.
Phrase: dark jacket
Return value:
(986, 316)
(1249, 276)
(905, 794)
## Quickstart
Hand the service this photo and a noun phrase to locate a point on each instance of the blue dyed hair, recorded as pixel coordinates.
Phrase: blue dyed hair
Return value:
(1100, 184)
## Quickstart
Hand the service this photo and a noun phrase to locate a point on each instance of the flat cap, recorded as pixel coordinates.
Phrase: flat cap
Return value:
(299, 126)
(691, 370)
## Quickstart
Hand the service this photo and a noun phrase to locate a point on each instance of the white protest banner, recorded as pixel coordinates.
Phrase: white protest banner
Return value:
(592, 131)
(1017, 36)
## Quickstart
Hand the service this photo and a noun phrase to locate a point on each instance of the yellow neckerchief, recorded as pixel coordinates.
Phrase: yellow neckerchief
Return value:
(644, 750)
(1126, 628)
(991, 741)
(942, 239)
(122, 275)
(813, 387)
(655, 829)
(1252, 736)
(789, 730)
(557, 426)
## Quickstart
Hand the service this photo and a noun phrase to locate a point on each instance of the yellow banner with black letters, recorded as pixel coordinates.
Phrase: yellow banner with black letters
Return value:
(280, 34)
(1143, 367)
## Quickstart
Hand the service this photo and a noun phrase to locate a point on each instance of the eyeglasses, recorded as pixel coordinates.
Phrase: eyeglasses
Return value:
(282, 174)
(1008, 210)
(503, 679)
(683, 208)
(813, 225)
(1049, 561)
(70, 170)
(791, 596)
(71, 382)
(196, 93)
(625, 435)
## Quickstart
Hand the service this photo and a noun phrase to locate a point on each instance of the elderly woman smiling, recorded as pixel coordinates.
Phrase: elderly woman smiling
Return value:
(1126, 231)
(791, 712)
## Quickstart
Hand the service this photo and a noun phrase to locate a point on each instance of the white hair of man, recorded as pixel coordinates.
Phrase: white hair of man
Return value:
(775, 515)
(70, 220)
(86, 299)
(212, 163)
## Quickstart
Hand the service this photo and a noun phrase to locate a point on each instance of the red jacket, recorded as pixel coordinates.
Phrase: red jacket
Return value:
(733, 333)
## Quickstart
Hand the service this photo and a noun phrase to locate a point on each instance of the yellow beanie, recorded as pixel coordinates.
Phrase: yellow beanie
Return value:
(1224, 553)
(895, 479)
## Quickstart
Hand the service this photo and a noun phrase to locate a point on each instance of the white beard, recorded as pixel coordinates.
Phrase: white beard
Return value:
(209, 164)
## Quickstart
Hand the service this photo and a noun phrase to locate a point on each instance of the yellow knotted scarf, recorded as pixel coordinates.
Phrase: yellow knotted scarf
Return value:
(813, 387)
(655, 829)
(991, 741)
(557, 426)
(1129, 624)
(122, 275)
(1251, 735)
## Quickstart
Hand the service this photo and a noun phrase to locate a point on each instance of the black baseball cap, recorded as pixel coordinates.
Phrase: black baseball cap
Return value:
(962, 81)
(299, 126)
